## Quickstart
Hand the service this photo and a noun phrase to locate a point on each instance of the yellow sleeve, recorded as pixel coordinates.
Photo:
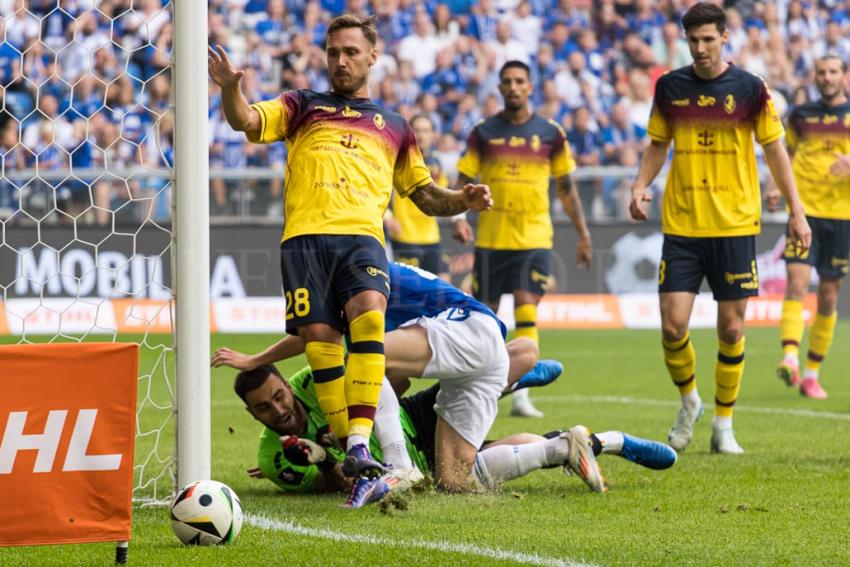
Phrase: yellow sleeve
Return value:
(470, 162)
(410, 171)
(561, 161)
(768, 124)
(658, 129)
(275, 115)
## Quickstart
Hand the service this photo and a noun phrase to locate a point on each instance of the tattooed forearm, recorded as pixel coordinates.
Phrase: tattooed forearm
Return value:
(438, 202)
(565, 185)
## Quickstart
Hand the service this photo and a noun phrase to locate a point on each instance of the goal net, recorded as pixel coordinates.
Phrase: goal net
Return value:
(86, 138)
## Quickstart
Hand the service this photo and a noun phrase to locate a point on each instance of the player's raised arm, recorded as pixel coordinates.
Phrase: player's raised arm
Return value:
(780, 168)
(568, 194)
(650, 164)
(441, 202)
(237, 111)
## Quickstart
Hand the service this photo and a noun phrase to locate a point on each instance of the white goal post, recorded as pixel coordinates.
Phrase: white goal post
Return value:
(191, 237)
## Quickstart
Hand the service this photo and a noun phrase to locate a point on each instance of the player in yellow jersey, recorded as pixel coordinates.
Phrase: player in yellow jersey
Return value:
(345, 156)
(819, 138)
(415, 236)
(711, 210)
(516, 152)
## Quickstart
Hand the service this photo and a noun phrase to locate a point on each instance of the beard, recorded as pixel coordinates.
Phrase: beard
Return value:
(347, 85)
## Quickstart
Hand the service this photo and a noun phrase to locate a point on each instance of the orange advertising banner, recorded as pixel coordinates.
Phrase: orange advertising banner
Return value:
(595, 311)
(67, 429)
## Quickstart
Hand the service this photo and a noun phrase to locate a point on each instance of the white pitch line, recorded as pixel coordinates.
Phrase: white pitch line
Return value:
(669, 403)
(266, 523)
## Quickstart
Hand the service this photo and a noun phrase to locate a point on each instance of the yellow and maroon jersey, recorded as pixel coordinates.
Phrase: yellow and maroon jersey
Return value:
(516, 161)
(713, 187)
(816, 133)
(415, 226)
(345, 156)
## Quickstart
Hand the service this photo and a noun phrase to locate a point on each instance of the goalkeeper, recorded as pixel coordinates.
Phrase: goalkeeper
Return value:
(297, 455)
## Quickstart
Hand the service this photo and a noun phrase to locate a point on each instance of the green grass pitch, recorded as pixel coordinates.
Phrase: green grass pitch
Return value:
(784, 502)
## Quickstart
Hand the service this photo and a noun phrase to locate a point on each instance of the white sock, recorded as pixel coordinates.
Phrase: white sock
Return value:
(498, 464)
(388, 429)
(612, 441)
(520, 396)
(719, 422)
(810, 373)
(792, 359)
(691, 399)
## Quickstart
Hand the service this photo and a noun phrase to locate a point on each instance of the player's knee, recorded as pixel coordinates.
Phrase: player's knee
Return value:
(731, 332)
(673, 332)
(523, 353)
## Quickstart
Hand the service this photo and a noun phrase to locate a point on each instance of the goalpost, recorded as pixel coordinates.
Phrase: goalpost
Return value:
(100, 238)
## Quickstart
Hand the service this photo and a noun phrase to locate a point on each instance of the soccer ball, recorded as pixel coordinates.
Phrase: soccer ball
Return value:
(206, 512)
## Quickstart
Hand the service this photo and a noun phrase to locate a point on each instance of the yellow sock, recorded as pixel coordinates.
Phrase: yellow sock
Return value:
(820, 338)
(327, 361)
(526, 322)
(727, 376)
(364, 371)
(681, 361)
(791, 327)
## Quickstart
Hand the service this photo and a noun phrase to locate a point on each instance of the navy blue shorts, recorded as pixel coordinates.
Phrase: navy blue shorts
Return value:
(426, 256)
(322, 272)
(504, 271)
(728, 263)
(830, 248)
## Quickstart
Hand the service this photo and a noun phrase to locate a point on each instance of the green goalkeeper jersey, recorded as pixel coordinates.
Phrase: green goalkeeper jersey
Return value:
(290, 477)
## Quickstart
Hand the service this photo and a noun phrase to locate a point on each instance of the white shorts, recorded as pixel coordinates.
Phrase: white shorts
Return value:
(470, 360)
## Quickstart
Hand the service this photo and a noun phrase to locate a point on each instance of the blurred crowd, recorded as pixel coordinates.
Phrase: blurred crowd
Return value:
(100, 76)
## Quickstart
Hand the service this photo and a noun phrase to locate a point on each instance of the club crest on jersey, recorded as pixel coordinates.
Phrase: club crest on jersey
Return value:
(378, 119)
(706, 100)
(729, 104)
(535, 142)
(348, 113)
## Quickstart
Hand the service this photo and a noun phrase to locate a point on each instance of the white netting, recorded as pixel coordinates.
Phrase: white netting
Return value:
(85, 191)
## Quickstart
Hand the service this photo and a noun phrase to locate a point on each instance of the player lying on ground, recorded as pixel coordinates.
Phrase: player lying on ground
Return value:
(434, 330)
(295, 427)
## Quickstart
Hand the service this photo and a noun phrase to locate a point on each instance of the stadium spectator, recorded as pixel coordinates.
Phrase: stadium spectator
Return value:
(670, 49)
(503, 47)
(420, 48)
(526, 27)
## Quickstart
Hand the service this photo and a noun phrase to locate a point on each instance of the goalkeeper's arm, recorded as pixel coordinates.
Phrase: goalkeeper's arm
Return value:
(288, 347)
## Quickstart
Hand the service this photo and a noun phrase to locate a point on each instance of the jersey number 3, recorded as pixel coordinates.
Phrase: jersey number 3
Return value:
(298, 303)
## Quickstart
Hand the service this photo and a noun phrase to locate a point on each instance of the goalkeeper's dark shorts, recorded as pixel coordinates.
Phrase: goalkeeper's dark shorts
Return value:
(420, 410)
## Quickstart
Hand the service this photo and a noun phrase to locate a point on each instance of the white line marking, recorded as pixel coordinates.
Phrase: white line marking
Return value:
(266, 523)
(670, 403)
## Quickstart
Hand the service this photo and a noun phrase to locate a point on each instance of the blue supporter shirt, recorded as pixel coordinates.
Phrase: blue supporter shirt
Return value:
(417, 293)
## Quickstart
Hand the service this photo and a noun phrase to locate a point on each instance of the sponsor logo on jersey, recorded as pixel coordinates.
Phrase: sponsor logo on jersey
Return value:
(729, 104)
(496, 141)
(535, 143)
(379, 121)
(516, 142)
(706, 100)
(375, 272)
(681, 102)
(348, 113)
(325, 108)
(847, 120)
(830, 119)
